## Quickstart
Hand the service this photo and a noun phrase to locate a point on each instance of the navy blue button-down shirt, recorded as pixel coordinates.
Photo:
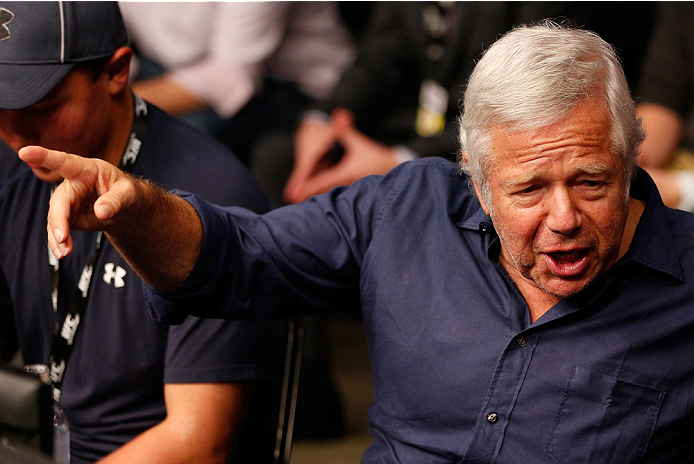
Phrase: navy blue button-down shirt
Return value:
(460, 374)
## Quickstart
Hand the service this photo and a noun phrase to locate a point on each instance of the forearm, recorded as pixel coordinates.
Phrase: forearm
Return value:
(158, 446)
(160, 237)
(202, 426)
(168, 95)
(162, 444)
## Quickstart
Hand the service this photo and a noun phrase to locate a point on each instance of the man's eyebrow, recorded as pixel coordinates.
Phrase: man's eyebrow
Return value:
(594, 168)
(524, 179)
(531, 177)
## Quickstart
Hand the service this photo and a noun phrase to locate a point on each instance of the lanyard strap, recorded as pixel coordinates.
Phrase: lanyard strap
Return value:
(64, 332)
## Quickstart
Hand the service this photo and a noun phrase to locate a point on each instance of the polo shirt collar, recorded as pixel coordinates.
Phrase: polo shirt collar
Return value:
(653, 244)
(473, 217)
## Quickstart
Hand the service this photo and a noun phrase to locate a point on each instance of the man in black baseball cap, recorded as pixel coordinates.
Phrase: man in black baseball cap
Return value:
(133, 390)
(40, 44)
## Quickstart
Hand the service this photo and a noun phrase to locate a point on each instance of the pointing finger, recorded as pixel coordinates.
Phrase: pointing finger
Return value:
(67, 165)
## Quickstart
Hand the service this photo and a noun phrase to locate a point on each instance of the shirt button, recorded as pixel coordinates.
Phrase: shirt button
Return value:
(492, 418)
(521, 341)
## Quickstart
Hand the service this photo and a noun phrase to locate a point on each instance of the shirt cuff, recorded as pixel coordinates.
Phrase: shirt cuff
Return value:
(173, 308)
(404, 154)
(317, 116)
(685, 182)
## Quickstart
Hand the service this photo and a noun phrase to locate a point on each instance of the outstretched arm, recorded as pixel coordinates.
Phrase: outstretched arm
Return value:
(158, 233)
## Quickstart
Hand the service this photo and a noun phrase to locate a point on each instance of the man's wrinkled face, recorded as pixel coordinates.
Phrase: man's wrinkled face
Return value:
(69, 118)
(559, 201)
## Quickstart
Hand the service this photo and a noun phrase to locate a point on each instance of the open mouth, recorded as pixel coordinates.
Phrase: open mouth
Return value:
(564, 257)
(567, 263)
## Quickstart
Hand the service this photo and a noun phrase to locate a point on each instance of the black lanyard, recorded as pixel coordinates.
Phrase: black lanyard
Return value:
(64, 333)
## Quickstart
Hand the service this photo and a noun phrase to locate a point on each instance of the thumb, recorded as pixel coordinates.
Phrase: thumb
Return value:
(119, 197)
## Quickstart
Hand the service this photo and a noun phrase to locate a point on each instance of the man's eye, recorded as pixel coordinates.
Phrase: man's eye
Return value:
(44, 107)
(529, 190)
(593, 183)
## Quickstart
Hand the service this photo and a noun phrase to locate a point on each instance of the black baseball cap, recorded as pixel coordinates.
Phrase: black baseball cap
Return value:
(40, 42)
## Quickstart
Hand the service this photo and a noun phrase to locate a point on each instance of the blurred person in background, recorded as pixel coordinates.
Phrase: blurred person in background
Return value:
(238, 69)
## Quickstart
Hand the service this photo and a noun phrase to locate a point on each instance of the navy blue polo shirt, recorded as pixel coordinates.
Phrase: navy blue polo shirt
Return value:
(114, 380)
(460, 374)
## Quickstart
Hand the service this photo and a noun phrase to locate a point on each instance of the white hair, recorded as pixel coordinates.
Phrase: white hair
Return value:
(533, 77)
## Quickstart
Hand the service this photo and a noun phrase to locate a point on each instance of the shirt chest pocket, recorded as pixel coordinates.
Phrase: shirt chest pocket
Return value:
(603, 419)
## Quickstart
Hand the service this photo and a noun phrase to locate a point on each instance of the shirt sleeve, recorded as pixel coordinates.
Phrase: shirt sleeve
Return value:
(215, 350)
(296, 259)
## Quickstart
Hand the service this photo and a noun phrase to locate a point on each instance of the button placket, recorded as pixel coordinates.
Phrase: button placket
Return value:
(509, 377)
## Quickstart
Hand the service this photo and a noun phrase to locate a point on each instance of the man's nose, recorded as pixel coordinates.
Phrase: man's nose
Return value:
(16, 130)
(563, 217)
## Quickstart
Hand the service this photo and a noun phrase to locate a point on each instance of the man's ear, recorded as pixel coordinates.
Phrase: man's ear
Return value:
(480, 198)
(118, 70)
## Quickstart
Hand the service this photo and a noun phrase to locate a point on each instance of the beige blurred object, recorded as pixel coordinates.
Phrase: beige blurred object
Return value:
(681, 159)
(675, 180)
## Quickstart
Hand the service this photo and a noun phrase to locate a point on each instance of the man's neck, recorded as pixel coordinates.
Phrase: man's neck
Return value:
(636, 208)
(538, 300)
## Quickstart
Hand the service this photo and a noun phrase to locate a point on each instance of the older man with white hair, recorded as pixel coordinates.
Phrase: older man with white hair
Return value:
(538, 309)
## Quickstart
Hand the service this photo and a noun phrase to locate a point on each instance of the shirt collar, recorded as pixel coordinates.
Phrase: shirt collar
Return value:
(473, 216)
(653, 244)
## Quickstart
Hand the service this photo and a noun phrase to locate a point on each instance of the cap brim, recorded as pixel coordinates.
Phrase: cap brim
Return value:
(24, 85)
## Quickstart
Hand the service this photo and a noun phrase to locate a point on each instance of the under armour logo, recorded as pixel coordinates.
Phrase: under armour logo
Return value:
(140, 107)
(131, 150)
(5, 17)
(114, 276)
(57, 394)
(85, 278)
(56, 372)
(70, 327)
